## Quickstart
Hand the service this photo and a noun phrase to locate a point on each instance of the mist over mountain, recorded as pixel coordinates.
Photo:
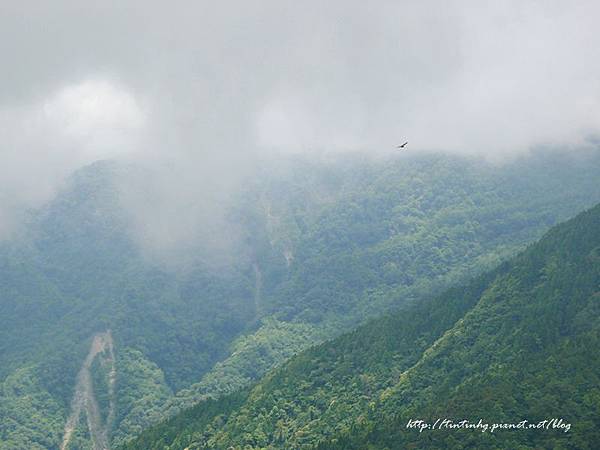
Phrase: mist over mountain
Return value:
(192, 194)
(202, 92)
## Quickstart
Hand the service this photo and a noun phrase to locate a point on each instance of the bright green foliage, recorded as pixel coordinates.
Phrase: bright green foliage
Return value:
(181, 430)
(31, 417)
(252, 356)
(141, 391)
(517, 343)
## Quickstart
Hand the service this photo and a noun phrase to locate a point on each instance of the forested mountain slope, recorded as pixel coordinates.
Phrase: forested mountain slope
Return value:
(322, 247)
(365, 236)
(518, 343)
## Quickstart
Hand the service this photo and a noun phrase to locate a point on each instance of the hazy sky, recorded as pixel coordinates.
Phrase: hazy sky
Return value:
(203, 87)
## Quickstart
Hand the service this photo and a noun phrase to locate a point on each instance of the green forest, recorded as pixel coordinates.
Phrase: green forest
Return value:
(516, 343)
(321, 247)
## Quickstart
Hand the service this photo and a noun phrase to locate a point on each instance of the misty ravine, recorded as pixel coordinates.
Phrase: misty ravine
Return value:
(84, 398)
(257, 288)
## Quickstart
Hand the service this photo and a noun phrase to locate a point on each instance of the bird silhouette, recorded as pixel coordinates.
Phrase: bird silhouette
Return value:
(403, 145)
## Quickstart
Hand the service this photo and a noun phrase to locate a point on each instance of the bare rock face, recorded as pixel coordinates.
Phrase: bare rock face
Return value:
(85, 400)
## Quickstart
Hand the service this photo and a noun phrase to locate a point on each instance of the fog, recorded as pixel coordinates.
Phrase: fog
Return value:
(197, 93)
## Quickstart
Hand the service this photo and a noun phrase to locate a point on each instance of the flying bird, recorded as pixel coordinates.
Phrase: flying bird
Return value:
(402, 146)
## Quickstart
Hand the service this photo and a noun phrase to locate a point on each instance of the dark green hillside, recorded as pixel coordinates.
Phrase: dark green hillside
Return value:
(518, 343)
(526, 351)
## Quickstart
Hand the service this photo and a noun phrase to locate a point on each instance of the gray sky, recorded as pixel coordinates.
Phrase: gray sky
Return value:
(204, 87)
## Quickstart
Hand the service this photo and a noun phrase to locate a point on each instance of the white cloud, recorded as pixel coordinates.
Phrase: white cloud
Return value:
(103, 120)
(221, 82)
(45, 140)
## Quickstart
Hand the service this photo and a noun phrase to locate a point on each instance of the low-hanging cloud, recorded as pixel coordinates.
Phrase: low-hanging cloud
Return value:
(196, 91)
(45, 140)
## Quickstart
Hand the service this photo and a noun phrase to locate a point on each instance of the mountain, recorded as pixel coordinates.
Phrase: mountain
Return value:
(516, 345)
(366, 236)
(320, 247)
(74, 274)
